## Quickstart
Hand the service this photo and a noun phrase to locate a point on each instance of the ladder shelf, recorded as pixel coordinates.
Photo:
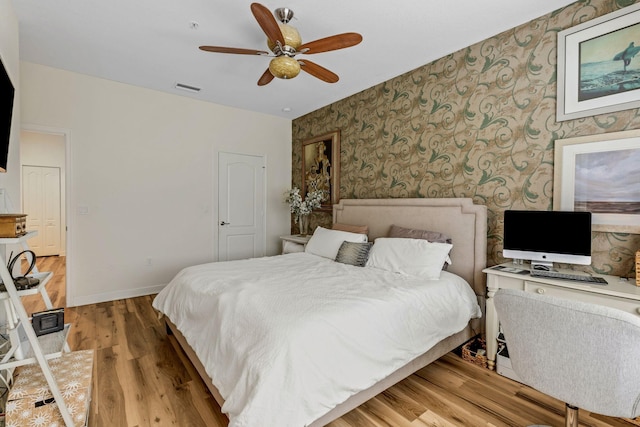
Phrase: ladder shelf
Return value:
(52, 345)
(26, 347)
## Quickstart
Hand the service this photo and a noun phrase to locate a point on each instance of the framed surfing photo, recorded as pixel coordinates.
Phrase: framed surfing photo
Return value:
(599, 65)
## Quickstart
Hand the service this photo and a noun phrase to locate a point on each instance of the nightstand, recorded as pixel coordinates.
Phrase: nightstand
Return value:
(294, 243)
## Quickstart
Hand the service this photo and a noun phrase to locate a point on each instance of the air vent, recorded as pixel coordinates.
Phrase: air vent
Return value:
(188, 88)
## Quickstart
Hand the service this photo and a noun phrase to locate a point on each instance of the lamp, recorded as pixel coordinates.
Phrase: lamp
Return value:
(284, 66)
(291, 38)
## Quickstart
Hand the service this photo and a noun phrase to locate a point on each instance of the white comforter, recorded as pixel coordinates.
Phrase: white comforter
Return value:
(287, 338)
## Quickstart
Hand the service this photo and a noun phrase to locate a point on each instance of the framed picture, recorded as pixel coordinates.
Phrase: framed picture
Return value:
(599, 65)
(321, 168)
(600, 174)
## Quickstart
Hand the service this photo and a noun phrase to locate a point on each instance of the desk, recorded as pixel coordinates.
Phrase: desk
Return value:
(619, 293)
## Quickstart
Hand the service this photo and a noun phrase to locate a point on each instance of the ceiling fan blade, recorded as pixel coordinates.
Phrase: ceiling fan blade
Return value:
(265, 78)
(339, 41)
(219, 49)
(267, 22)
(317, 71)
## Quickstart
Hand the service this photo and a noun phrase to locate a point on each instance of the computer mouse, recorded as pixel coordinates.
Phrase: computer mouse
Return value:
(540, 267)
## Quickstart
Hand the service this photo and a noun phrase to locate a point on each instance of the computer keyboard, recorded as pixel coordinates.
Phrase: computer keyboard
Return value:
(575, 277)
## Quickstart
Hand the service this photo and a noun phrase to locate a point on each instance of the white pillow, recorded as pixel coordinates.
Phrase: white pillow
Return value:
(413, 257)
(326, 243)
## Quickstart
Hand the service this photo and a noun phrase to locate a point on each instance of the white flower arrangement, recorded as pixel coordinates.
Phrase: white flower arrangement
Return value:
(303, 207)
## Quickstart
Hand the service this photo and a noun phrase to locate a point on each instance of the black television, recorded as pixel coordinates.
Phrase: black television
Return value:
(7, 92)
(545, 237)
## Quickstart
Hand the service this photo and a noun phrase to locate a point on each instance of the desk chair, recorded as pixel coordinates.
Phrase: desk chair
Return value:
(583, 354)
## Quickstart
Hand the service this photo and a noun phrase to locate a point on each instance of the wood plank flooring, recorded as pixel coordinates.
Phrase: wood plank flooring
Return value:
(140, 380)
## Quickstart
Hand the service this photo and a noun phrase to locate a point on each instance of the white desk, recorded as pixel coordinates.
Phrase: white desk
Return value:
(619, 293)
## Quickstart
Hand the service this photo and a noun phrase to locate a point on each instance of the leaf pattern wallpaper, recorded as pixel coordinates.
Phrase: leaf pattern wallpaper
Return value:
(477, 123)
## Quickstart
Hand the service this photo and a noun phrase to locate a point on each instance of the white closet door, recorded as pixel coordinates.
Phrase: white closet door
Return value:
(41, 203)
(241, 206)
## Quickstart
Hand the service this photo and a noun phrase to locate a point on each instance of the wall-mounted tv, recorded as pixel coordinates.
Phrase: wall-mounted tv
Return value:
(7, 93)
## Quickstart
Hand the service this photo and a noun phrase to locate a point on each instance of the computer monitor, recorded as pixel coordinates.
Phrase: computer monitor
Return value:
(545, 237)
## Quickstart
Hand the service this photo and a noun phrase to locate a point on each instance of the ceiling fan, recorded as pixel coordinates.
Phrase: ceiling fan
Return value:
(285, 43)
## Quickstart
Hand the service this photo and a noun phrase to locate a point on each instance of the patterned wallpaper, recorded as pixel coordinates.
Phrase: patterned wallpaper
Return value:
(477, 123)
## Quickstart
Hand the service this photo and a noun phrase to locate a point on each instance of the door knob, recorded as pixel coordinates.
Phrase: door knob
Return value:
(224, 223)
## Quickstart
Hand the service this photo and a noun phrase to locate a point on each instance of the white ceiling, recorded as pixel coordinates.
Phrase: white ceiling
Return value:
(150, 43)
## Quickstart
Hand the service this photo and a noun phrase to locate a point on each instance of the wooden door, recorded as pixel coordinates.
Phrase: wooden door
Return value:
(241, 206)
(41, 203)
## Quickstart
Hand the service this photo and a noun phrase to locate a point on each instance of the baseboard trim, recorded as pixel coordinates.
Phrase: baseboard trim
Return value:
(112, 296)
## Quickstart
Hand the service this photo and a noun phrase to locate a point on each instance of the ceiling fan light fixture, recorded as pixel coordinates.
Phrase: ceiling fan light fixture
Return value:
(284, 67)
(291, 37)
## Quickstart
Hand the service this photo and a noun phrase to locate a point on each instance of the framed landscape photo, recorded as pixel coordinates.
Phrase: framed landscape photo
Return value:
(600, 174)
(599, 65)
(321, 168)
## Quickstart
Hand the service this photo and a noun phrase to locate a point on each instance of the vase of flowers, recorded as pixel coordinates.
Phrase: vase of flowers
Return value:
(302, 208)
(303, 223)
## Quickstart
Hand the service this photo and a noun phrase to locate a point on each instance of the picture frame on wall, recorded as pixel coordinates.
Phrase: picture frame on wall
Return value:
(321, 168)
(599, 65)
(600, 174)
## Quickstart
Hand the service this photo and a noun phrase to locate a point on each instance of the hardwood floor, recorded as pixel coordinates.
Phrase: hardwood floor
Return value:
(140, 380)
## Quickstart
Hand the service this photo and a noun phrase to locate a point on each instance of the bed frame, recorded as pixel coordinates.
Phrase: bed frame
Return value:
(458, 218)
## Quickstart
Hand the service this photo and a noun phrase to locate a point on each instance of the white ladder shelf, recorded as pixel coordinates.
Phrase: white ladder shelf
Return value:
(27, 347)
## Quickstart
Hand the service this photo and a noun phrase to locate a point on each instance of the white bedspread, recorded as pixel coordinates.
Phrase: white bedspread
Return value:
(287, 338)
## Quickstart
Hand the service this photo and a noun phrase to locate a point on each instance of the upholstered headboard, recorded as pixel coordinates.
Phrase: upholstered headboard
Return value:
(458, 218)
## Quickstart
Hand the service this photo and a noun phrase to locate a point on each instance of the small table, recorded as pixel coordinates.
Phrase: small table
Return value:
(294, 243)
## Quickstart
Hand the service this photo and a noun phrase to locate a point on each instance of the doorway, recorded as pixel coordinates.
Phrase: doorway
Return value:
(43, 158)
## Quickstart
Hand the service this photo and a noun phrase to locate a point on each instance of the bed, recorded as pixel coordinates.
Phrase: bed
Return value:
(287, 388)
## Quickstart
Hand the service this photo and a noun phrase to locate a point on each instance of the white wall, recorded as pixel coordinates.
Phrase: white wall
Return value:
(9, 54)
(143, 163)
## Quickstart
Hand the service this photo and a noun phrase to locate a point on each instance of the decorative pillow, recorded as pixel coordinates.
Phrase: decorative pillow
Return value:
(412, 257)
(412, 233)
(362, 229)
(354, 253)
(325, 243)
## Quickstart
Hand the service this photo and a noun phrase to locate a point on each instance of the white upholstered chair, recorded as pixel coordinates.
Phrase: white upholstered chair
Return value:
(583, 354)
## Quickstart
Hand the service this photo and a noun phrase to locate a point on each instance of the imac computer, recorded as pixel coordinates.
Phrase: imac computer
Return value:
(545, 237)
